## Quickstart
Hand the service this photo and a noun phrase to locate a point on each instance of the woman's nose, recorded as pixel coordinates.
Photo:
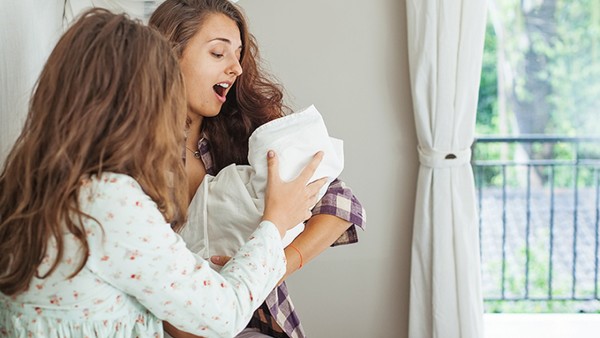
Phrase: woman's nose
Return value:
(235, 68)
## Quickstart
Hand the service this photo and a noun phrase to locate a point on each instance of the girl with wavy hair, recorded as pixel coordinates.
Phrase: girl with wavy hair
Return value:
(229, 96)
(92, 189)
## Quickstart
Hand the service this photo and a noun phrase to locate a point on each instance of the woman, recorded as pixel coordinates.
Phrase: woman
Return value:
(228, 98)
(94, 183)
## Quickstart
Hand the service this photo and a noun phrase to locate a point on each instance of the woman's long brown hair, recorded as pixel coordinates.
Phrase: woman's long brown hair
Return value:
(254, 98)
(109, 99)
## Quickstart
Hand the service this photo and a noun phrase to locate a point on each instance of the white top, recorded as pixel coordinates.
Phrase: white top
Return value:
(138, 273)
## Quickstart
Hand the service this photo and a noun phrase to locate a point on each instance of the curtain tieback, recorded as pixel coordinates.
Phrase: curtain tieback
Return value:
(433, 158)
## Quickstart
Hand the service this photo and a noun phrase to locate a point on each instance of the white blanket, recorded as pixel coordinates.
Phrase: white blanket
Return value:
(227, 207)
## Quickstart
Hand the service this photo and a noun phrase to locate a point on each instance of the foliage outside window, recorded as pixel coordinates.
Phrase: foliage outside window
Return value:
(540, 76)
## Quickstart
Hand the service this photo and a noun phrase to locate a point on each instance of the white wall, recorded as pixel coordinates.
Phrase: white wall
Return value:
(349, 58)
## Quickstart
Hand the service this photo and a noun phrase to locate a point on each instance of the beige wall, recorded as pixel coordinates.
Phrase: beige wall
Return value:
(349, 58)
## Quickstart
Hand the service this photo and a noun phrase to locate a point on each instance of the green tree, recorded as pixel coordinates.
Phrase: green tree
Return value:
(541, 75)
(550, 66)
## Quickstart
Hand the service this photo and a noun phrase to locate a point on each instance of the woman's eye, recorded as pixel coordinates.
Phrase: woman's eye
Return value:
(217, 55)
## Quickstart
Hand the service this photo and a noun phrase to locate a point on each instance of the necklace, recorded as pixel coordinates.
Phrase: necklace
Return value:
(196, 153)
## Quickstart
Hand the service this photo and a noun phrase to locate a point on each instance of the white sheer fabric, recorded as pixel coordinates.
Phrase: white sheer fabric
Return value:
(139, 9)
(28, 31)
(445, 43)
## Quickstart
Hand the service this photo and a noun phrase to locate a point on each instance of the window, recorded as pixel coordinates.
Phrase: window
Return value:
(537, 156)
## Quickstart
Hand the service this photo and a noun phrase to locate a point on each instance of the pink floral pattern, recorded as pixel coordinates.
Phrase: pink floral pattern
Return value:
(139, 272)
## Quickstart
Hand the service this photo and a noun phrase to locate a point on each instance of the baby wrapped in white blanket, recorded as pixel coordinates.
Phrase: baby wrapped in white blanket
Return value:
(227, 207)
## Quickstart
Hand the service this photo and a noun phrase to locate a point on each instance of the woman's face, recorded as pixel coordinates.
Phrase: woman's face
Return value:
(210, 64)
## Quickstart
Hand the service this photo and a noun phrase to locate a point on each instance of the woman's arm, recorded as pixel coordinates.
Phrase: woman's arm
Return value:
(335, 219)
(319, 233)
(135, 250)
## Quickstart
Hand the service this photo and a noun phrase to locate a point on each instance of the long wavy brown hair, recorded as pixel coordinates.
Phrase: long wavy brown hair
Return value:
(254, 99)
(109, 99)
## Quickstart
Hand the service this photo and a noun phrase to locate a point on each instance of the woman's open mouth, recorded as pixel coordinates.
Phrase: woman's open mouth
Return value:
(221, 90)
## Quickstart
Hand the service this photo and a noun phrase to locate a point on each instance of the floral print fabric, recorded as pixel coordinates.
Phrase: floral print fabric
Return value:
(139, 273)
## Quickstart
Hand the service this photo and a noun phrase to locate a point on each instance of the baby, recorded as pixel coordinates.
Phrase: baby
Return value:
(227, 207)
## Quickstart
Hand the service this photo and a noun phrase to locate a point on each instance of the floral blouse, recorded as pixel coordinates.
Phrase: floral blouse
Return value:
(139, 273)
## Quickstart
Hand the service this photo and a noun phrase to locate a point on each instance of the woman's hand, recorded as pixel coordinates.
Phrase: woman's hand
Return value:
(288, 203)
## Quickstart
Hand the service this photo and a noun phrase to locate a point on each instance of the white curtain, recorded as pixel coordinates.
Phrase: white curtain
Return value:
(138, 9)
(445, 44)
(28, 31)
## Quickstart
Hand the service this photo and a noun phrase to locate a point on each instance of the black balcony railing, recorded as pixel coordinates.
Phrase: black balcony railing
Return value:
(539, 213)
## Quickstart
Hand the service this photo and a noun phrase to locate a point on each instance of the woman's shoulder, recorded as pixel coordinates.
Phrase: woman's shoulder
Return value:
(110, 181)
(109, 188)
(113, 199)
